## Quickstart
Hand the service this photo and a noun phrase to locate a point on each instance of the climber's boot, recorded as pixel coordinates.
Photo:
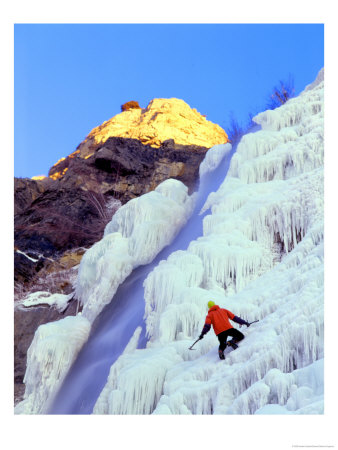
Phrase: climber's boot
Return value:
(233, 344)
(221, 354)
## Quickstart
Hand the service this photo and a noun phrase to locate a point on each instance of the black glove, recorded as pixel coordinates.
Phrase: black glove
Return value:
(201, 336)
(247, 324)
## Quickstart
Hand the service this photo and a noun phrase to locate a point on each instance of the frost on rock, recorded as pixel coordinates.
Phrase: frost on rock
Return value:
(261, 257)
(59, 301)
(53, 350)
(135, 235)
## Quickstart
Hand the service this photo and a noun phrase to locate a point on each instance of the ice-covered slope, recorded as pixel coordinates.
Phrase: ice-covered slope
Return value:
(134, 236)
(261, 256)
(137, 232)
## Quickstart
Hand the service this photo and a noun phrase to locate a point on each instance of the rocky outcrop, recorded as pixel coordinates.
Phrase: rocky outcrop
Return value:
(59, 220)
(161, 120)
(26, 190)
(26, 266)
(72, 212)
(121, 159)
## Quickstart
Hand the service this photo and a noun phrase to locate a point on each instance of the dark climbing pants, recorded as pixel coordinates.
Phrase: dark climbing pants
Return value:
(222, 337)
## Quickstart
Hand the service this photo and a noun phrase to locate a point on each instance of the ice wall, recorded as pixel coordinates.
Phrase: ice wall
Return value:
(134, 236)
(53, 350)
(261, 256)
(138, 231)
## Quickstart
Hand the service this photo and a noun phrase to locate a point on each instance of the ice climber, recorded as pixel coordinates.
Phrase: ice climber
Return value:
(219, 319)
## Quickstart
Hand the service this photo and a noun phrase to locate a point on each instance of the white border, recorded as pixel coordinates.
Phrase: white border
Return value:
(236, 432)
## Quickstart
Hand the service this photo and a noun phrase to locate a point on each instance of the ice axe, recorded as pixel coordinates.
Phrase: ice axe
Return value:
(250, 323)
(253, 322)
(191, 348)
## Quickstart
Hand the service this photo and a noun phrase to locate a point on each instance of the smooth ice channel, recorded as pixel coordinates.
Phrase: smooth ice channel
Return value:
(114, 327)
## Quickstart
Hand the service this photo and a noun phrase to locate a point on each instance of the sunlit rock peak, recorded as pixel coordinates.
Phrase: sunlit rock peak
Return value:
(161, 120)
(39, 177)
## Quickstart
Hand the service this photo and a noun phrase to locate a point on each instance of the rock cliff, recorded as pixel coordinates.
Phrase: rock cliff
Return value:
(121, 159)
(71, 211)
(161, 120)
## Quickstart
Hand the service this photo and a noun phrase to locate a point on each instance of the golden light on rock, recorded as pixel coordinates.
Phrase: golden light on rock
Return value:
(39, 177)
(58, 175)
(58, 172)
(55, 175)
(163, 119)
(58, 162)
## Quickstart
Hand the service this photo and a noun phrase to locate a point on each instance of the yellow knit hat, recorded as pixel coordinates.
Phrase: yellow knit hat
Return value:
(210, 304)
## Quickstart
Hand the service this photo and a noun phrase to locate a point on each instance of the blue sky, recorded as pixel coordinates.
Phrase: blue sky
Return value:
(71, 78)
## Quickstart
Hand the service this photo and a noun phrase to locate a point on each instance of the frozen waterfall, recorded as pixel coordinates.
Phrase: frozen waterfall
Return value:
(261, 256)
(251, 240)
(112, 272)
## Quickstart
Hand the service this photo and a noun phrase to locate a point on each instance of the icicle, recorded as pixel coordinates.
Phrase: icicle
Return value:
(163, 287)
(136, 381)
(253, 398)
(50, 355)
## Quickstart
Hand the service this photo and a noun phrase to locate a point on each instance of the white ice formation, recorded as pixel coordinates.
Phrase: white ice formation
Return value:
(260, 256)
(213, 158)
(53, 350)
(138, 231)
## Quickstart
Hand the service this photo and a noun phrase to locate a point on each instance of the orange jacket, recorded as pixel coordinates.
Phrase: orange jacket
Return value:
(219, 319)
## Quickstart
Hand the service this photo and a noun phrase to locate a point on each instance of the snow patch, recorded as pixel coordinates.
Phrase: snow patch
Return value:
(59, 301)
(25, 254)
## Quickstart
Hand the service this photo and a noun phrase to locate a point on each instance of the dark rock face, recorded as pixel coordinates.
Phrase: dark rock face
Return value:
(27, 190)
(25, 268)
(70, 212)
(56, 221)
(127, 168)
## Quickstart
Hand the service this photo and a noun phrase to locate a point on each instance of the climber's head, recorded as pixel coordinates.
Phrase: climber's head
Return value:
(211, 304)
